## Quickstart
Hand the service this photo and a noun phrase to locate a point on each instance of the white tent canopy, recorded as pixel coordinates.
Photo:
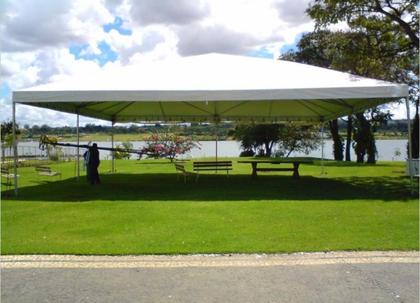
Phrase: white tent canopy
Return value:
(213, 87)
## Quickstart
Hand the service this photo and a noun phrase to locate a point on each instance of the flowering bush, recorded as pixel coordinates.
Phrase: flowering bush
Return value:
(168, 146)
(123, 150)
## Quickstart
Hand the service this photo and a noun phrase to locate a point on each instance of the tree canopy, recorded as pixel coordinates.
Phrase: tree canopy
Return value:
(260, 139)
(367, 14)
(380, 41)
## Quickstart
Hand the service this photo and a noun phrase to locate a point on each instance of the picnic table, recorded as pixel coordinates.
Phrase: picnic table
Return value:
(294, 162)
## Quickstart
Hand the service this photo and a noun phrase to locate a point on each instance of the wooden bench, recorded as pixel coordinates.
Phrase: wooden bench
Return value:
(47, 171)
(180, 169)
(212, 166)
(294, 169)
(5, 174)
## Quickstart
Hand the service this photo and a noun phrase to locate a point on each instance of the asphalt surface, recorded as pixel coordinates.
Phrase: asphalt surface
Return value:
(339, 282)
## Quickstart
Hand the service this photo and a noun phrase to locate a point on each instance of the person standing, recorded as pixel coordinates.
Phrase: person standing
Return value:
(86, 157)
(94, 164)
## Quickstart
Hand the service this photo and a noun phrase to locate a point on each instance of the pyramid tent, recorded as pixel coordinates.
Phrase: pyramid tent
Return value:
(213, 87)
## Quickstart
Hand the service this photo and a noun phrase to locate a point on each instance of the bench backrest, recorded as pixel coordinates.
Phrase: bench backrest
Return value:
(4, 171)
(43, 168)
(180, 167)
(215, 164)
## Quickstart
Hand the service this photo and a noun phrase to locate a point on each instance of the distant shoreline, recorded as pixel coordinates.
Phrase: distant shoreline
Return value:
(143, 137)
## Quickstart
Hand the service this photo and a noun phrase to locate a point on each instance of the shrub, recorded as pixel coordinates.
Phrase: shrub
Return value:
(247, 153)
(168, 146)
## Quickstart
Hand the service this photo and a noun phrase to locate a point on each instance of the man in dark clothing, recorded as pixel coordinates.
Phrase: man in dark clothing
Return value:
(93, 164)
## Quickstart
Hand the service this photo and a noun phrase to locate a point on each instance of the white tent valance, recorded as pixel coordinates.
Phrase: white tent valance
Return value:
(213, 87)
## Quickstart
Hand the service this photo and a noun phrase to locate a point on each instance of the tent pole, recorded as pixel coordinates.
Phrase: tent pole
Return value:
(322, 148)
(15, 155)
(217, 141)
(78, 143)
(112, 145)
(410, 152)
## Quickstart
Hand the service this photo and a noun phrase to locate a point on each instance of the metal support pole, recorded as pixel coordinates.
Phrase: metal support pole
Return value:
(217, 141)
(410, 152)
(77, 149)
(112, 146)
(322, 148)
(15, 154)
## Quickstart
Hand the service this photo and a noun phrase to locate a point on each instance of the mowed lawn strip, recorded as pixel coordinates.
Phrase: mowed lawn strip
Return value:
(143, 209)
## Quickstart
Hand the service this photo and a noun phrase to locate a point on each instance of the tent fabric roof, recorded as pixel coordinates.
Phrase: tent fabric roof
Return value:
(213, 87)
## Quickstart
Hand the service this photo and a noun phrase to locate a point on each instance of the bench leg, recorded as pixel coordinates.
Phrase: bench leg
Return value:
(254, 170)
(296, 170)
(8, 184)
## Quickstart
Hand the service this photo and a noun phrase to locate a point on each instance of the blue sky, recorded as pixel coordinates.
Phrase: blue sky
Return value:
(118, 26)
(106, 53)
(4, 90)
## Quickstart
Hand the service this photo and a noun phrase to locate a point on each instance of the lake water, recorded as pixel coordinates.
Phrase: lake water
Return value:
(387, 149)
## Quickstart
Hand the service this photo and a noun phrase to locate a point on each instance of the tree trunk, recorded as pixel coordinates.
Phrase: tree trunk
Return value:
(267, 149)
(365, 140)
(360, 157)
(337, 140)
(359, 139)
(2, 152)
(371, 149)
(415, 134)
(348, 141)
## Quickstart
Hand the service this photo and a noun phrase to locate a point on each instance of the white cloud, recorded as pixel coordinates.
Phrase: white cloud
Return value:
(29, 26)
(197, 39)
(6, 109)
(38, 67)
(238, 26)
(147, 12)
(292, 11)
(139, 42)
(20, 69)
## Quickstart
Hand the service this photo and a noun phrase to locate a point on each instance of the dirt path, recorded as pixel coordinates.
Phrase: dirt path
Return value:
(208, 260)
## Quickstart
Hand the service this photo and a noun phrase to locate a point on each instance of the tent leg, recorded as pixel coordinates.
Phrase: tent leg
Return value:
(217, 141)
(322, 149)
(15, 153)
(410, 152)
(78, 150)
(112, 145)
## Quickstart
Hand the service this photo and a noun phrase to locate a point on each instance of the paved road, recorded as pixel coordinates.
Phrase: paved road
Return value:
(333, 281)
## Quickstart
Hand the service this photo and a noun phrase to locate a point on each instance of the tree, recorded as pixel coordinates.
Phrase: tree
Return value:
(298, 138)
(348, 140)
(164, 145)
(364, 142)
(320, 49)
(260, 139)
(337, 140)
(7, 136)
(389, 32)
(123, 150)
(415, 137)
(366, 13)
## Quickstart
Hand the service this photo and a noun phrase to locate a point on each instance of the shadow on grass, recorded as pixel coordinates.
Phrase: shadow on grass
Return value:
(326, 162)
(165, 187)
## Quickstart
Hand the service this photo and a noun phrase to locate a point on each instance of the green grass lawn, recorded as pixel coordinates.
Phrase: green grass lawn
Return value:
(143, 209)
